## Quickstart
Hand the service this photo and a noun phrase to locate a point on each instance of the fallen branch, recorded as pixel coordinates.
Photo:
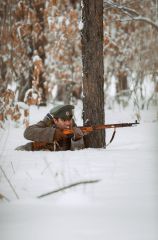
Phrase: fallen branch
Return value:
(68, 186)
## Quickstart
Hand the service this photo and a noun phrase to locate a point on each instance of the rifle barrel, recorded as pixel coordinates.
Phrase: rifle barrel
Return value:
(99, 127)
(115, 125)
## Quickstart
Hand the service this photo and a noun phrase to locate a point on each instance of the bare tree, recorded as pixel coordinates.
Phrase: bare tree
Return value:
(93, 70)
(131, 13)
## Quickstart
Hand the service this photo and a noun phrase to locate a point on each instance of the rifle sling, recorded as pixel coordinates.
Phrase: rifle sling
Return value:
(112, 137)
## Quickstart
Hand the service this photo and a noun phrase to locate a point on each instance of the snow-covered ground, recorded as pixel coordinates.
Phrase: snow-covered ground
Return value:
(123, 205)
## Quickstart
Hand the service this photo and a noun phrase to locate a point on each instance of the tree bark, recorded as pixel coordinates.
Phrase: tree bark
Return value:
(93, 69)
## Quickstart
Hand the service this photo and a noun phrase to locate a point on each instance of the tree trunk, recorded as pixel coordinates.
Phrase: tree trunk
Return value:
(93, 69)
(40, 44)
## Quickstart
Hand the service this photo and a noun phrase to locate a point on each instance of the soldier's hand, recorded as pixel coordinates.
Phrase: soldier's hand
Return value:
(78, 134)
(58, 135)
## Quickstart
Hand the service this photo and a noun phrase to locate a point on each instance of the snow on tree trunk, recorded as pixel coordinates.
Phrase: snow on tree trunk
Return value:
(93, 70)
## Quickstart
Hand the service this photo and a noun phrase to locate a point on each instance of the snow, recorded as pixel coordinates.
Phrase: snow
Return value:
(36, 58)
(80, 25)
(122, 205)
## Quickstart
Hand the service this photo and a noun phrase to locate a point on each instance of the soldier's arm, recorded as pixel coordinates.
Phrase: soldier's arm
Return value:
(77, 141)
(77, 145)
(40, 132)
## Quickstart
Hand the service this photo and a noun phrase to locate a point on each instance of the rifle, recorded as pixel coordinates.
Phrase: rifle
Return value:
(88, 129)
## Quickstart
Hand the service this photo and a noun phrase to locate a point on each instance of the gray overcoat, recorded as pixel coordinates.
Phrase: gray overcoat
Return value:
(42, 135)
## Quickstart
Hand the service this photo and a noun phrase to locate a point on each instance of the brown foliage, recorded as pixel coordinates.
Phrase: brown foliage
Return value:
(12, 110)
(54, 34)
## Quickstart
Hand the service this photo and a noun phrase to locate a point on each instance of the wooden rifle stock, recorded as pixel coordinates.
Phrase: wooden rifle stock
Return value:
(92, 128)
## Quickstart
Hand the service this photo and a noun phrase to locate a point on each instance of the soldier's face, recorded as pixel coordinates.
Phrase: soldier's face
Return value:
(62, 124)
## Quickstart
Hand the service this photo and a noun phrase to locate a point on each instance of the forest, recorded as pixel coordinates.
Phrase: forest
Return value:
(100, 56)
(41, 54)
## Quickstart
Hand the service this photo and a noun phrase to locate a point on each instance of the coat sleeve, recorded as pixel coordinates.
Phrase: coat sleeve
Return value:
(40, 132)
(77, 145)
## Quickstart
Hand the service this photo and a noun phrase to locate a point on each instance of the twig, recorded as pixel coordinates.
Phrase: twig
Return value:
(13, 167)
(10, 184)
(68, 186)
(134, 15)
